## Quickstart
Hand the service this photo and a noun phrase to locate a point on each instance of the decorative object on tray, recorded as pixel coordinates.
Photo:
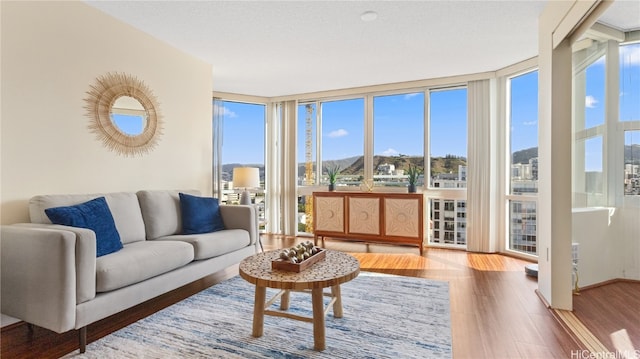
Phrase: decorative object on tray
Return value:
(298, 258)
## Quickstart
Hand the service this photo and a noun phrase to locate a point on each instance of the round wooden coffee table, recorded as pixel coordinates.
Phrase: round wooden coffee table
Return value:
(335, 269)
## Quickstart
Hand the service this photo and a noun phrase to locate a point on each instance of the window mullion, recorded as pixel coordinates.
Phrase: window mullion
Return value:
(613, 139)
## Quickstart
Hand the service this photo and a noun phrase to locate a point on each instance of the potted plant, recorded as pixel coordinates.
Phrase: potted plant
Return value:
(332, 173)
(413, 173)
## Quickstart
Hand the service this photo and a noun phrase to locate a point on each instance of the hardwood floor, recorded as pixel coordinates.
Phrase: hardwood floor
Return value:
(495, 311)
(609, 309)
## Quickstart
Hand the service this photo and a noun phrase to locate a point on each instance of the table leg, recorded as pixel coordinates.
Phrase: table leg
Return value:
(337, 305)
(318, 319)
(258, 311)
(284, 300)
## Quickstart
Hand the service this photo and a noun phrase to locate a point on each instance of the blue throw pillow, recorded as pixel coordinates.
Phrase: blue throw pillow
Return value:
(200, 214)
(94, 215)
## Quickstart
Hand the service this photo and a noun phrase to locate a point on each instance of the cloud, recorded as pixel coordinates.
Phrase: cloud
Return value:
(411, 95)
(225, 112)
(590, 101)
(530, 123)
(390, 152)
(338, 133)
(229, 114)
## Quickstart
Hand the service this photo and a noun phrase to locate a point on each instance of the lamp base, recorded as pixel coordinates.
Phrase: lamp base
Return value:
(245, 198)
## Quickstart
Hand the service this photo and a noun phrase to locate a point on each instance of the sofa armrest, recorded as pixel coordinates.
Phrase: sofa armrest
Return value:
(38, 276)
(85, 259)
(241, 217)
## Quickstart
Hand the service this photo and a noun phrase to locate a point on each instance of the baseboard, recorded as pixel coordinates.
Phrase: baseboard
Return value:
(8, 321)
(610, 281)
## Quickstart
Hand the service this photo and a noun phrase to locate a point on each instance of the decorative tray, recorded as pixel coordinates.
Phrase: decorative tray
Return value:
(286, 265)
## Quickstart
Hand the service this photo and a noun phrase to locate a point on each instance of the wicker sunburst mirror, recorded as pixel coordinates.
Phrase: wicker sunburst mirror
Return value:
(124, 114)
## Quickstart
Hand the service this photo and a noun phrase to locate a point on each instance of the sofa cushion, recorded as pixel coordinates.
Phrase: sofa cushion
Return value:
(209, 245)
(139, 261)
(200, 214)
(161, 212)
(94, 215)
(123, 205)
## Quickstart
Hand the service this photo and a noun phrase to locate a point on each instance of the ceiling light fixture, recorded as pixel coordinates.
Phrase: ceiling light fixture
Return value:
(369, 16)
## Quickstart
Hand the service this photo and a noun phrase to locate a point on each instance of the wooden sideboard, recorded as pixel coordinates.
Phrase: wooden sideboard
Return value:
(396, 218)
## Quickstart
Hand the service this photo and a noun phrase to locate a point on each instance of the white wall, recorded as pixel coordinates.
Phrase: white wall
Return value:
(601, 248)
(51, 53)
(609, 244)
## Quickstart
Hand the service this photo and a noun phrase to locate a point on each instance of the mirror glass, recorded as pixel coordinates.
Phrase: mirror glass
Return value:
(129, 116)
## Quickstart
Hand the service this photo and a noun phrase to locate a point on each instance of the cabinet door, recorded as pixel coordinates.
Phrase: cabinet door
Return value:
(402, 217)
(364, 215)
(329, 214)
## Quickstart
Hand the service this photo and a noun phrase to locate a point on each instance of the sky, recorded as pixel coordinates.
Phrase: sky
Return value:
(398, 119)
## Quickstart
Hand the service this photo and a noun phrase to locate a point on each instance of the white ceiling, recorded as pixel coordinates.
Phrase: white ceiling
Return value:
(277, 48)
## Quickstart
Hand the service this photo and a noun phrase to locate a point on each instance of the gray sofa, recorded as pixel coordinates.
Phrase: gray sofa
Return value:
(52, 278)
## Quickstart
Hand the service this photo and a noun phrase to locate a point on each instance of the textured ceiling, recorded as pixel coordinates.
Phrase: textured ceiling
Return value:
(277, 48)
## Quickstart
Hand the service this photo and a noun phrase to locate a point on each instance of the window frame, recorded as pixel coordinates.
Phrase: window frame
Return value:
(509, 197)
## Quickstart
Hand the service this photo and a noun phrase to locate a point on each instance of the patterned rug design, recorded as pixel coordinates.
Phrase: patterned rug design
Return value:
(384, 317)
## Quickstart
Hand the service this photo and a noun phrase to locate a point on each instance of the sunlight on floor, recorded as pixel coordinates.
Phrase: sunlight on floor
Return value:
(623, 344)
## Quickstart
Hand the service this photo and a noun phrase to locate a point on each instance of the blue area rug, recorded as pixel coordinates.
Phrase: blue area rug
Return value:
(384, 317)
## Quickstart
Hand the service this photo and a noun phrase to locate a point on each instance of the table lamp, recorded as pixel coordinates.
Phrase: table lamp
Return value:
(246, 177)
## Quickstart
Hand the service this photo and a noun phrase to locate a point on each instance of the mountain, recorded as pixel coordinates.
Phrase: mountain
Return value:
(400, 162)
(631, 154)
(523, 156)
(343, 163)
(446, 164)
(355, 165)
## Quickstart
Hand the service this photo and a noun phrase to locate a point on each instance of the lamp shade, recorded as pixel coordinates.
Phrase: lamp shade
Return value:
(246, 177)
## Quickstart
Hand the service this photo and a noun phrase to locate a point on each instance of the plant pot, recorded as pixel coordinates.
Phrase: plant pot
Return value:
(412, 188)
(332, 187)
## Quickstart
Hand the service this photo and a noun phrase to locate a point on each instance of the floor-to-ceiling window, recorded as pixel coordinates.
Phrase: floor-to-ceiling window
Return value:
(523, 162)
(606, 157)
(306, 138)
(398, 138)
(589, 120)
(330, 134)
(629, 114)
(243, 145)
(343, 141)
(448, 166)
